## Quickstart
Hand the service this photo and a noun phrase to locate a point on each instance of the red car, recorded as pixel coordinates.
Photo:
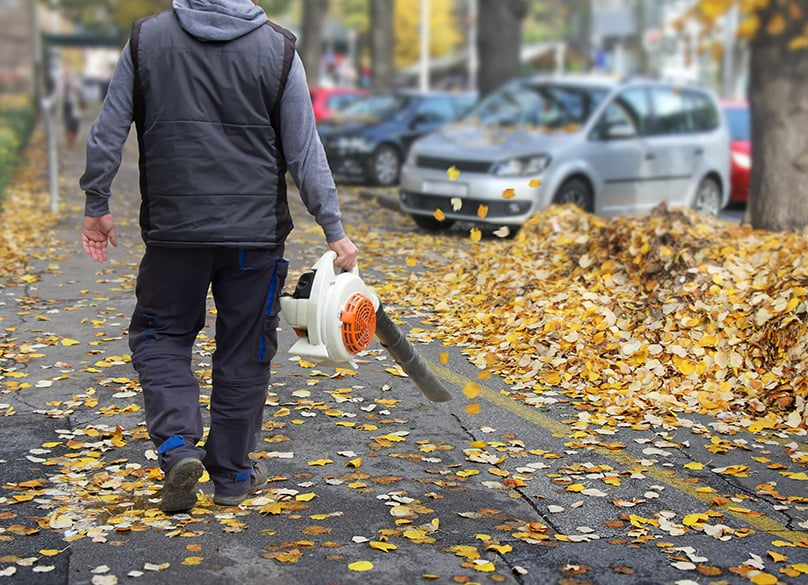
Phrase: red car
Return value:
(737, 113)
(326, 101)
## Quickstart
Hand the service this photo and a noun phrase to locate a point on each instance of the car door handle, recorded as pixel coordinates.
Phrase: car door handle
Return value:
(650, 156)
(698, 151)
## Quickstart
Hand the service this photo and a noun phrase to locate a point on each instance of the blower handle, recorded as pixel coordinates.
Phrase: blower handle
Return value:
(410, 361)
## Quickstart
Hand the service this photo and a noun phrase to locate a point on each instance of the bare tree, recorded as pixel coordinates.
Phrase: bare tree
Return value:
(311, 52)
(499, 41)
(382, 44)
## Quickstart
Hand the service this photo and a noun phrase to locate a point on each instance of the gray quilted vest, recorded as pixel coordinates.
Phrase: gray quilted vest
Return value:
(212, 172)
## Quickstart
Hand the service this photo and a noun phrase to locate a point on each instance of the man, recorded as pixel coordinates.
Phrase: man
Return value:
(222, 110)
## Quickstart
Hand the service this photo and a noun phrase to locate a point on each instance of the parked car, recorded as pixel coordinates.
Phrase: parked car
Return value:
(328, 101)
(737, 114)
(369, 140)
(611, 147)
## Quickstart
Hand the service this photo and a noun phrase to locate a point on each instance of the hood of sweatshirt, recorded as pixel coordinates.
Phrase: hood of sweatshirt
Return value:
(219, 20)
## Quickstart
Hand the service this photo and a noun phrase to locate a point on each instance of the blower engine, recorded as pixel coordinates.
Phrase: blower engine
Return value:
(337, 316)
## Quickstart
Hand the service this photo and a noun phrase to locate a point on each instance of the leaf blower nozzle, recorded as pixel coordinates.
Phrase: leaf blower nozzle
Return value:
(336, 316)
(410, 361)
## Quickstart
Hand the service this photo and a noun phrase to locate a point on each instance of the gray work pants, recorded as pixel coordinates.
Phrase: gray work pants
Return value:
(172, 288)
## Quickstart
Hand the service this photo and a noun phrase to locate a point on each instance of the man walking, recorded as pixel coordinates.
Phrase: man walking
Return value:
(222, 110)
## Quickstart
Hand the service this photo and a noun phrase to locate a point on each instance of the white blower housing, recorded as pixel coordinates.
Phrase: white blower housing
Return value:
(333, 314)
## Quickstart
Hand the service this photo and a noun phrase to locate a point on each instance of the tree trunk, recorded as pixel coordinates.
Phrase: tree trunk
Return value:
(778, 96)
(311, 52)
(382, 44)
(499, 40)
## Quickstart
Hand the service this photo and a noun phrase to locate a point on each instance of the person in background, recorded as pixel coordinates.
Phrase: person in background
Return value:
(221, 106)
(72, 104)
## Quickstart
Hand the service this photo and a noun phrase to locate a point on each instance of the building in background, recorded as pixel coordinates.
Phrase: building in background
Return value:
(17, 50)
(660, 38)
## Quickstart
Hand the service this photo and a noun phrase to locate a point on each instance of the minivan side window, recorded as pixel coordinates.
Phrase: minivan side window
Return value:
(682, 111)
(672, 114)
(704, 112)
(629, 108)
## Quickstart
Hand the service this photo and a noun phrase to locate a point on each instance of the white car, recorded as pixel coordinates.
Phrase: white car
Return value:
(611, 147)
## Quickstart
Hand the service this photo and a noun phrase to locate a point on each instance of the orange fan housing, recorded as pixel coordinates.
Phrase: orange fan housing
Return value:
(358, 323)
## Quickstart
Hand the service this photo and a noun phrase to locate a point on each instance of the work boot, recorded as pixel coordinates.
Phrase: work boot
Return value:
(179, 486)
(257, 479)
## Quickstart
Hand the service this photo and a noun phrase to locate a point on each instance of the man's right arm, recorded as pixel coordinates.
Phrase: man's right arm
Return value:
(107, 137)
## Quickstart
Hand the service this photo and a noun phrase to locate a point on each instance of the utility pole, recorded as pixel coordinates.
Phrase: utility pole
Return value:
(424, 77)
(473, 62)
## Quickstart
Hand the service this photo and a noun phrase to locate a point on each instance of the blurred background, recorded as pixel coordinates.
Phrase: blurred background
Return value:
(431, 43)
(60, 54)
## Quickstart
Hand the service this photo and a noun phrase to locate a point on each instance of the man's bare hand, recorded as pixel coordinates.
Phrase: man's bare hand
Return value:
(347, 253)
(96, 233)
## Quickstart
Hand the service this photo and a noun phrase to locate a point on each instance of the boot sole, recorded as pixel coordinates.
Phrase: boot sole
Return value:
(178, 489)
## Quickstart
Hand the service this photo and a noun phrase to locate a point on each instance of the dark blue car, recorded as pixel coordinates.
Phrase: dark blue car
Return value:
(369, 140)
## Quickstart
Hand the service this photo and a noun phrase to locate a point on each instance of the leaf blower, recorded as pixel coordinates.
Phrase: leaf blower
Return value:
(337, 315)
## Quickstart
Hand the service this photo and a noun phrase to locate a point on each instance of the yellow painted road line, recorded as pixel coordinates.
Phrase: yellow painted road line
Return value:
(762, 523)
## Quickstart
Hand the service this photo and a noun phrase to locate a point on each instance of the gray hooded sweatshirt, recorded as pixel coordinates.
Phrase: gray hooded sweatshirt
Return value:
(216, 20)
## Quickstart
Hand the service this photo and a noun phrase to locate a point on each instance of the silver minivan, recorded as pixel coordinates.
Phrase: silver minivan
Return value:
(611, 147)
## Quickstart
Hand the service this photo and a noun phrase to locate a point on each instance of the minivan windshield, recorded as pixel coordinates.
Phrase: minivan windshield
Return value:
(544, 105)
(377, 107)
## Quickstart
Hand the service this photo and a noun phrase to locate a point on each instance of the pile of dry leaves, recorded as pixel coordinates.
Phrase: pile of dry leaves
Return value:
(672, 312)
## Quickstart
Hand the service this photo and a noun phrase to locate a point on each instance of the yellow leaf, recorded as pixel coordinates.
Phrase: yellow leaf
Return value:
(355, 463)
(443, 357)
(764, 579)
(482, 211)
(410, 261)
(453, 173)
(777, 557)
(320, 462)
(798, 475)
(439, 215)
(68, 342)
(796, 44)
(509, 193)
(382, 546)
(471, 390)
(60, 521)
(776, 25)
(576, 487)
(361, 566)
(192, 561)
(535, 183)
(695, 519)
(473, 408)
(49, 552)
(486, 567)
(694, 465)
(475, 234)
(308, 497)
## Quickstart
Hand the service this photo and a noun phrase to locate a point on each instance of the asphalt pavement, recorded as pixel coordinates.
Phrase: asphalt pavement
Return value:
(371, 481)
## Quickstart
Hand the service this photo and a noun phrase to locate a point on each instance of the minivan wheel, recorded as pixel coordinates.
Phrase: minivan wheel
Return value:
(430, 223)
(575, 191)
(385, 164)
(708, 197)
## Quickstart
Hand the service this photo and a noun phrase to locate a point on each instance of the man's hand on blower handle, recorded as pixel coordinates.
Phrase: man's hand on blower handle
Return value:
(346, 251)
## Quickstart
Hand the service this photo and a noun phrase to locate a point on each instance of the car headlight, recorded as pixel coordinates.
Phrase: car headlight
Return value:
(353, 144)
(742, 160)
(522, 166)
